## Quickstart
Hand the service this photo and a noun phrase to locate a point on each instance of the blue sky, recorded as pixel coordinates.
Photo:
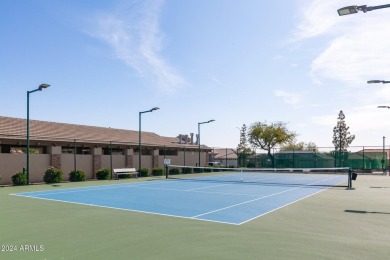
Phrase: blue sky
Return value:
(237, 62)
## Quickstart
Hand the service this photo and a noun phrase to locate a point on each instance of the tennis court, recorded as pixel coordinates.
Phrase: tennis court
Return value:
(232, 197)
(334, 223)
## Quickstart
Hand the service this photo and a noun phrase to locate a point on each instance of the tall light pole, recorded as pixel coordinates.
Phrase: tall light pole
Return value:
(139, 136)
(206, 122)
(353, 9)
(40, 87)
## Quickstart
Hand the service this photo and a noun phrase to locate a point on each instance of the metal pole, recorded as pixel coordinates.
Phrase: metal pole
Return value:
(226, 157)
(364, 165)
(198, 144)
(184, 153)
(139, 142)
(28, 137)
(383, 156)
(41, 86)
(139, 136)
(111, 158)
(74, 155)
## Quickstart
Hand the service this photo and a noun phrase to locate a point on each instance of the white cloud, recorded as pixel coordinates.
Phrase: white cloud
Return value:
(289, 98)
(316, 17)
(133, 34)
(357, 47)
(358, 55)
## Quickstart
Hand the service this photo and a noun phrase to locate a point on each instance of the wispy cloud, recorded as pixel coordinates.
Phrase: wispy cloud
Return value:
(134, 35)
(290, 98)
(315, 18)
(358, 45)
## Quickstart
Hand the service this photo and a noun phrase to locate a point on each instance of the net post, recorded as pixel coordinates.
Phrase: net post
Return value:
(166, 170)
(349, 179)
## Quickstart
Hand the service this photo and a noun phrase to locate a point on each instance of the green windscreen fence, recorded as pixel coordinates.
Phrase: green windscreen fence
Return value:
(362, 159)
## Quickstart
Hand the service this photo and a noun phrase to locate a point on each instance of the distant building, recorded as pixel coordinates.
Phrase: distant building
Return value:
(225, 156)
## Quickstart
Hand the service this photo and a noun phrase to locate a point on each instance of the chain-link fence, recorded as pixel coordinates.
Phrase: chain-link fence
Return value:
(364, 158)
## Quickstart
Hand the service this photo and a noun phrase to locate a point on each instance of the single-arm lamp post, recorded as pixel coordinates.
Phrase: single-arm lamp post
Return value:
(206, 122)
(40, 87)
(353, 9)
(139, 136)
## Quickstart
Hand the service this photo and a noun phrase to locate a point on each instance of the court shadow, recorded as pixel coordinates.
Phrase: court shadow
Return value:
(365, 212)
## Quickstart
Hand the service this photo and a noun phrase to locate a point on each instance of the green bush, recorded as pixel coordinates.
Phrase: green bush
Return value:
(77, 175)
(103, 174)
(173, 171)
(158, 171)
(52, 175)
(143, 172)
(250, 165)
(186, 170)
(198, 170)
(19, 178)
(208, 169)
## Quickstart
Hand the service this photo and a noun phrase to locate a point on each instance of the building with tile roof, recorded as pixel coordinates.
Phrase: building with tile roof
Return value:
(88, 148)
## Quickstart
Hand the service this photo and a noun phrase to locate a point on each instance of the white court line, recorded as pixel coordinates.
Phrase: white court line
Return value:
(131, 210)
(85, 189)
(142, 186)
(260, 198)
(196, 191)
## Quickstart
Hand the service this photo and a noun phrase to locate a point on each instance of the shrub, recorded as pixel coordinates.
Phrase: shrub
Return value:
(103, 174)
(173, 171)
(52, 175)
(250, 165)
(19, 178)
(186, 170)
(208, 169)
(198, 170)
(143, 172)
(77, 175)
(158, 171)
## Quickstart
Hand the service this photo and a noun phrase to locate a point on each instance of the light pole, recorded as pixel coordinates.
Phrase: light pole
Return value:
(206, 122)
(353, 9)
(139, 136)
(40, 87)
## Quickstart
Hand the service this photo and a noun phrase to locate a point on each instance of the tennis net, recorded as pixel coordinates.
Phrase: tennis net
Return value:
(327, 177)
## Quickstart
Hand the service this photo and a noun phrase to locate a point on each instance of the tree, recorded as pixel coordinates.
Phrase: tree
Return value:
(342, 138)
(242, 149)
(267, 136)
(301, 146)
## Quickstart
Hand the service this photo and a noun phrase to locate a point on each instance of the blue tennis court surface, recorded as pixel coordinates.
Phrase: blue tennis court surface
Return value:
(227, 200)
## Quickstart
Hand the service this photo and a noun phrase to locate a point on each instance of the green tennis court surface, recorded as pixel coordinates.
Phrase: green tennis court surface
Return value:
(333, 224)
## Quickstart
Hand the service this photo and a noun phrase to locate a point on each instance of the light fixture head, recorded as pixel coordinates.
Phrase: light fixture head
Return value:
(43, 85)
(353, 9)
(374, 81)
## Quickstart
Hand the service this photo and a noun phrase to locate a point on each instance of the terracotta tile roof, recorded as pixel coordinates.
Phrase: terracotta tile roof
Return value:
(15, 128)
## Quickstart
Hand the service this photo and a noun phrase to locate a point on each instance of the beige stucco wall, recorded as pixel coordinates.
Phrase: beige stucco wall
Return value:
(10, 164)
(13, 163)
